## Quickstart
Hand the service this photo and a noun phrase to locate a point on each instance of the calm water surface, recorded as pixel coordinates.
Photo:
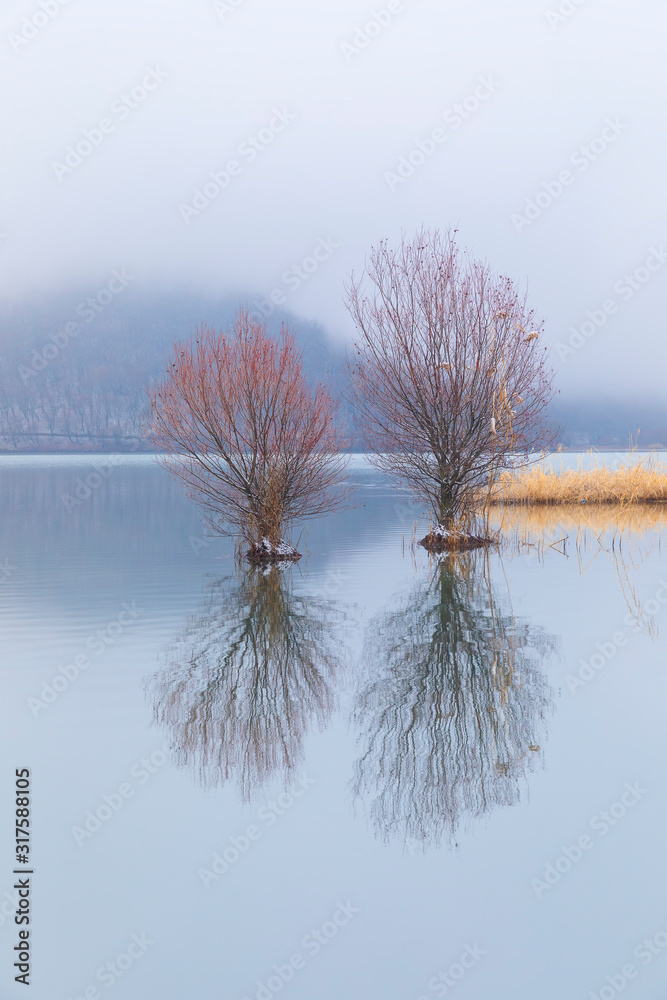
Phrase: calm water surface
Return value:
(369, 775)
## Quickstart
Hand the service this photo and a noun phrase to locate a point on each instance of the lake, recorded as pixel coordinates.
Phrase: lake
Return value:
(368, 775)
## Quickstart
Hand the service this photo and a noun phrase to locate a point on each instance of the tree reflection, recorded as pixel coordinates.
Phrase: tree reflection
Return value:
(453, 705)
(244, 682)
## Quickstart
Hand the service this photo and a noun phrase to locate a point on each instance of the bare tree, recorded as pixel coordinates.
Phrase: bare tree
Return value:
(255, 446)
(448, 375)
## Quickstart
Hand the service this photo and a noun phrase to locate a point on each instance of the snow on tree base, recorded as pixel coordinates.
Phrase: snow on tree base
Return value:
(442, 539)
(266, 552)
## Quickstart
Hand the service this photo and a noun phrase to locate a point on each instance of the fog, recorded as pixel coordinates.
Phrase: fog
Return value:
(306, 121)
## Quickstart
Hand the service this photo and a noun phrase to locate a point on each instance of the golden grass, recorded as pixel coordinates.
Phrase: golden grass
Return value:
(640, 480)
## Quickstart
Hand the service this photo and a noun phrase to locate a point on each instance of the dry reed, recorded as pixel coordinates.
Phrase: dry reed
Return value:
(638, 481)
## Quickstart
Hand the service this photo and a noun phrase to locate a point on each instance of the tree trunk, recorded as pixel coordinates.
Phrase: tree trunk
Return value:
(446, 512)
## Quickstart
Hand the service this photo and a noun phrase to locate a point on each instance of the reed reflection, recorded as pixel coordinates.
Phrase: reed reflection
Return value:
(453, 705)
(245, 681)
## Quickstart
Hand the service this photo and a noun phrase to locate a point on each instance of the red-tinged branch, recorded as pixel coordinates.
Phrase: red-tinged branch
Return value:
(255, 446)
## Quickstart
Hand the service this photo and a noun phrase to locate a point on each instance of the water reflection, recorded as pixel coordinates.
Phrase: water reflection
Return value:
(245, 681)
(450, 704)
(451, 711)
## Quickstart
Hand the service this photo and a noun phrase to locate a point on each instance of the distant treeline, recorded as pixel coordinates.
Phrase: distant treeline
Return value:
(74, 371)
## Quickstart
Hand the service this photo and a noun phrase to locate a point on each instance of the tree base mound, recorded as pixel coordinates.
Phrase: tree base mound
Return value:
(442, 539)
(264, 552)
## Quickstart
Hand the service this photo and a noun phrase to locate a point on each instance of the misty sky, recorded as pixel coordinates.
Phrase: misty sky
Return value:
(305, 122)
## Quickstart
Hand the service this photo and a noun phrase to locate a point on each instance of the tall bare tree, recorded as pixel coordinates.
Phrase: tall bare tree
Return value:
(256, 447)
(448, 375)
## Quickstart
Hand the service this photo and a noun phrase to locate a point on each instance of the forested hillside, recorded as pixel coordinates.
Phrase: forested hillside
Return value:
(74, 370)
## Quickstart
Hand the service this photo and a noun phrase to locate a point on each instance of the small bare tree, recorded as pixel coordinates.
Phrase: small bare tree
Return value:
(448, 376)
(256, 448)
